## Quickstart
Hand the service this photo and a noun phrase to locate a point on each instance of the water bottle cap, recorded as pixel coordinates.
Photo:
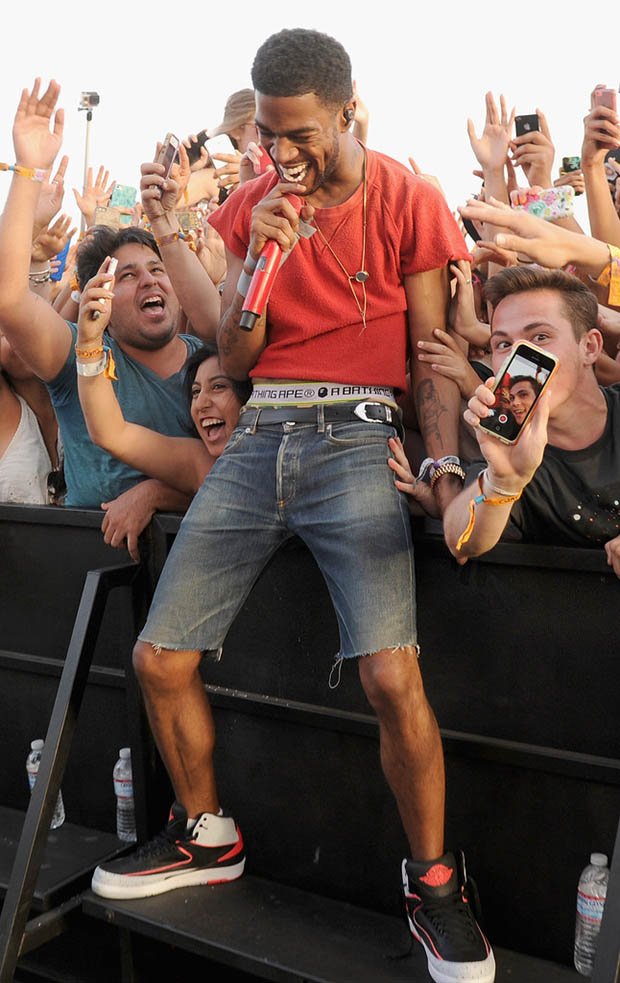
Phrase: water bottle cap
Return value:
(125, 752)
(598, 859)
(38, 744)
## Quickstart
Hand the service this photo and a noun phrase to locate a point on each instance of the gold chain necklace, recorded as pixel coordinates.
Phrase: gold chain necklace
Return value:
(362, 274)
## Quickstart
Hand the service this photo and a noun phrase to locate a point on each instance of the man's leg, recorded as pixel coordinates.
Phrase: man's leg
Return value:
(181, 722)
(411, 751)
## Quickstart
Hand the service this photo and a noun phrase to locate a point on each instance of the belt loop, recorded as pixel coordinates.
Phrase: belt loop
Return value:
(320, 418)
(252, 429)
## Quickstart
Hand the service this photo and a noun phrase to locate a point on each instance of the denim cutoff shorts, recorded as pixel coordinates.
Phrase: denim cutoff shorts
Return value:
(329, 484)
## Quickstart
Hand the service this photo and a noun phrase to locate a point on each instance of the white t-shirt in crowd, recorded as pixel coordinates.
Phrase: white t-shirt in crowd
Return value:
(25, 464)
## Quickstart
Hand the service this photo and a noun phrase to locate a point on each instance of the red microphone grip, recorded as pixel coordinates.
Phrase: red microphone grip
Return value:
(264, 276)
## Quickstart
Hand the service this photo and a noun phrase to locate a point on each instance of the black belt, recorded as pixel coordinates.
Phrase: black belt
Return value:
(364, 412)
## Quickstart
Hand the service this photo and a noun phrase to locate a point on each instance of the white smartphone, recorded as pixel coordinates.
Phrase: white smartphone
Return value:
(520, 383)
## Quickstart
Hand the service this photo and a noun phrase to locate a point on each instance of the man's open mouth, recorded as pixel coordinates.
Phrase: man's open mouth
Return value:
(294, 175)
(154, 304)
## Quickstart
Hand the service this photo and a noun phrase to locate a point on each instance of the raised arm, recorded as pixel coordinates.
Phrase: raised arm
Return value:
(37, 333)
(273, 218)
(197, 294)
(509, 469)
(181, 462)
(601, 133)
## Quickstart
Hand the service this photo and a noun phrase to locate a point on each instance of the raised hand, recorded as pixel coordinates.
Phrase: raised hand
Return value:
(427, 177)
(541, 242)
(534, 153)
(229, 175)
(211, 252)
(462, 313)
(181, 172)
(95, 195)
(159, 194)
(491, 148)
(510, 466)
(52, 239)
(601, 133)
(97, 295)
(35, 144)
(50, 199)
(573, 179)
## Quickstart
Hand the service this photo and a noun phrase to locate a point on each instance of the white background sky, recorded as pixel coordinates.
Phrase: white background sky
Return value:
(421, 68)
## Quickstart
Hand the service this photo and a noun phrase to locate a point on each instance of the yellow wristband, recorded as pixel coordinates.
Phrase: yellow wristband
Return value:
(611, 276)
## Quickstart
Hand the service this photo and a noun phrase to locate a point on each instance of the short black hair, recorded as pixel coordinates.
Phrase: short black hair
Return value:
(209, 349)
(534, 383)
(104, 241)
(295, 62)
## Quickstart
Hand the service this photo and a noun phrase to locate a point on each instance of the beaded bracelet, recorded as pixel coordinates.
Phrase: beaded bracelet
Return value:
(106, 363)
(611, 276)
(33, 173)
(40, 276)
(478, 500)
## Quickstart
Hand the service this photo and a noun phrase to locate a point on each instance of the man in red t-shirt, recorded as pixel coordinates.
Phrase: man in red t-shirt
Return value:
(309, 458)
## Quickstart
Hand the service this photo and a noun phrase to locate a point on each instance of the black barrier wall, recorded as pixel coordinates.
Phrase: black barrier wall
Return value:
(519, 657)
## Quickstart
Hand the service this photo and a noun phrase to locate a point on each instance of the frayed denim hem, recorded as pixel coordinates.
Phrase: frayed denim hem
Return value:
(339, 659)
(159, 647)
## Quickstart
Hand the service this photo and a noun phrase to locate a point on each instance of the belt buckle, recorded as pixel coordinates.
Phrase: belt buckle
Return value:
(361, 411)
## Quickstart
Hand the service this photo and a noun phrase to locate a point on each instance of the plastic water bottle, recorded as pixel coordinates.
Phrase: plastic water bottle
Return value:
(123, 788)
(32, 767)
(591, 896)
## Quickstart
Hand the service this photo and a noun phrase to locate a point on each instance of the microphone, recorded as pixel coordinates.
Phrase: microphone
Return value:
(264, 276)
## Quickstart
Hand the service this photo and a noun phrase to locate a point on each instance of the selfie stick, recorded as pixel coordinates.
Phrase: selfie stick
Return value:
(89, 100)
(264, 276)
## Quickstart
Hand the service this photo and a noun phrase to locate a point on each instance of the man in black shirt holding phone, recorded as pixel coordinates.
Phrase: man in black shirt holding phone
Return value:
(560, 482)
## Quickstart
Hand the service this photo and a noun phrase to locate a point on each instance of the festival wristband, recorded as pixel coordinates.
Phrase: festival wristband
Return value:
(33, 173)
(479, 500)
(611, 276)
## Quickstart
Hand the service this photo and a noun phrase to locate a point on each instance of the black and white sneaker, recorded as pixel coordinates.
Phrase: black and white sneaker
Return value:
(441, 918)
(209, 853)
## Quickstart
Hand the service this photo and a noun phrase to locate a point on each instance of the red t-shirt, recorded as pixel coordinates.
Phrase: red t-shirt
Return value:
(315, 330)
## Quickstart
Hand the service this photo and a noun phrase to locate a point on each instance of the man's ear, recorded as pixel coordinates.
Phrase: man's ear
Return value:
(591, 344)
(349, 113)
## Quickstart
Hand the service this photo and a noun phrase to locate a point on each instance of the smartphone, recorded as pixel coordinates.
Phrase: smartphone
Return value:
(111, 217)
(571, 164)
(194, 148)
(520, 383)
(123, 197)
(168, 153)
(110, 268)
(549, 204)
(605, 97)
(526, 124)
(189, 220)
(220, 145)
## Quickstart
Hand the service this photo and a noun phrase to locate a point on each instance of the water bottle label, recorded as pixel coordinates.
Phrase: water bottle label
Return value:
(123, 788)
(589, 907)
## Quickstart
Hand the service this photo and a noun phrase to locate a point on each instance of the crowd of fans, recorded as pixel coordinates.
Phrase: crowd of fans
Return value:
(145, 438)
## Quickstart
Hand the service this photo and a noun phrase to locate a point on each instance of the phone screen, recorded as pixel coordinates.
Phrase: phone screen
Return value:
(519, 385)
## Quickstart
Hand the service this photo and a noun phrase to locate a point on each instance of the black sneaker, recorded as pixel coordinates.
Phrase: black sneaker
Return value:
(441, 919)
(210, 853)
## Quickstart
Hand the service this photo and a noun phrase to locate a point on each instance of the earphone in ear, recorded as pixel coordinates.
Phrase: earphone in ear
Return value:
(349, 114)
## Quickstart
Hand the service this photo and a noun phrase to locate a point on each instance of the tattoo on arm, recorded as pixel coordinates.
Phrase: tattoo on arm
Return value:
(227, 338)
(430, 409)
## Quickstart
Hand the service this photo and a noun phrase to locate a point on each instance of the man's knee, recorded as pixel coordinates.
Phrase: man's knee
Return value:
(391, 679)
(163, 668)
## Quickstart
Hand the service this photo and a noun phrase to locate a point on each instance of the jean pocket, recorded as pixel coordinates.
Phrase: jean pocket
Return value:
(358, 434)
